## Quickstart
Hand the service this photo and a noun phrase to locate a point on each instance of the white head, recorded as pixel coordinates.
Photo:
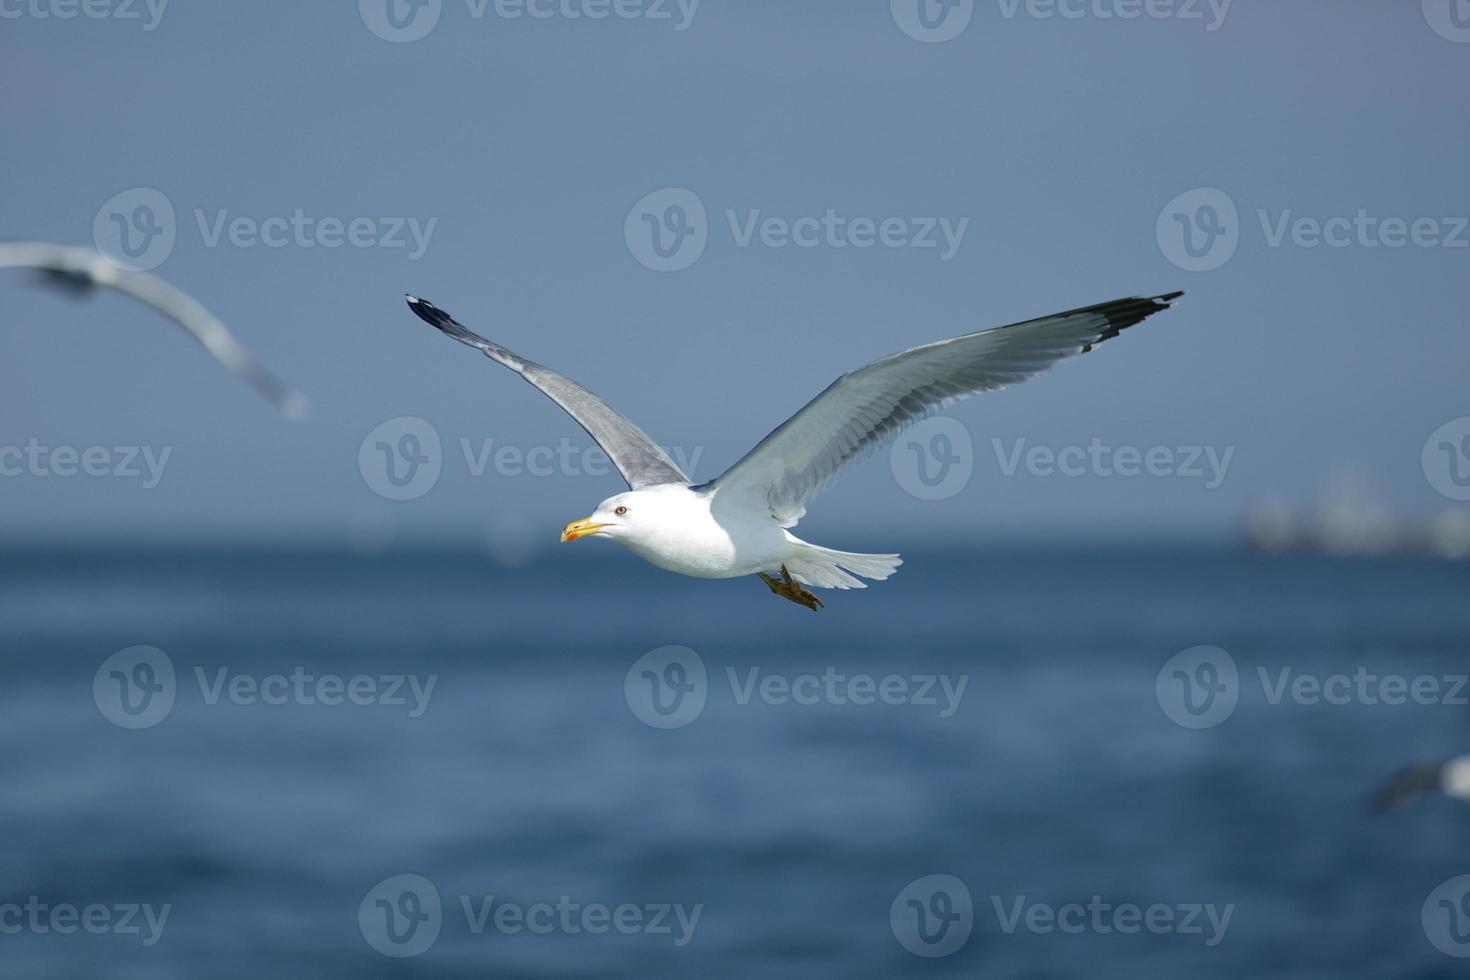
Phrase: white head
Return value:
(623, 516)
(1454, 778)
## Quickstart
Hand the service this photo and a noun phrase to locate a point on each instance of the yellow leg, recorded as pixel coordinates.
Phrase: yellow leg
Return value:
(788, 588)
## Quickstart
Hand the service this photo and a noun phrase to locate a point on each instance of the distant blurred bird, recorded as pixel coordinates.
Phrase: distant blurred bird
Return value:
(1451, 778)
(737, 524)
(81, 272)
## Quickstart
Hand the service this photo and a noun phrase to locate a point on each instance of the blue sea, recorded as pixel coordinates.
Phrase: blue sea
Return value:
(257, 762)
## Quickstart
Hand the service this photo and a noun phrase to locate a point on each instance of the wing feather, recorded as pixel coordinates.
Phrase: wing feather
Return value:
(863, 410)
(82, 270)
(636, 456)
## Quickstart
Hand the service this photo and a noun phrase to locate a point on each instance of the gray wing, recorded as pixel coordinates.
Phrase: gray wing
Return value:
(83, 270)
(867, 408)
(641, 462)
(1405, 786)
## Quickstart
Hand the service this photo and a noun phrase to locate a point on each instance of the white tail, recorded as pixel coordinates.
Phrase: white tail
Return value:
(828, 569)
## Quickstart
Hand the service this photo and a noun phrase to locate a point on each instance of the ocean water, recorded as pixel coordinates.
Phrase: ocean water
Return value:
(780, 827)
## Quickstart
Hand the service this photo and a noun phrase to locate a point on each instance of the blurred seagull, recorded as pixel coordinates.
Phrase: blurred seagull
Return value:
(82, 271)
(1451, 778)
(738, 523)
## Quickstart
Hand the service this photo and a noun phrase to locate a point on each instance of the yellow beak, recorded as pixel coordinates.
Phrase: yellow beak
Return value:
(584, 528)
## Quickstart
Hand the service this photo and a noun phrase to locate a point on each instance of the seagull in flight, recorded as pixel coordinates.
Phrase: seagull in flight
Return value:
(1452, 778)
(739, 523)
(83, 271)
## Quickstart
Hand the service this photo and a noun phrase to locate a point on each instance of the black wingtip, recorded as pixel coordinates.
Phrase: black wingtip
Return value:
(1124, 313)
(427, 311)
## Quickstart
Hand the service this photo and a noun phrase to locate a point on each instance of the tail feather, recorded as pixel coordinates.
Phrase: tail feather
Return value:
(826, 568)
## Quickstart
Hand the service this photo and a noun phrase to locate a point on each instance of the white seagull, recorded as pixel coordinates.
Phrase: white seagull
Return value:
(1452, 778)
(82, 271)
(739, 523)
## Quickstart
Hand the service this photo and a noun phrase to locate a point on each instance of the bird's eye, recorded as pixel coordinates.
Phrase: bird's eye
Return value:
(621, 511)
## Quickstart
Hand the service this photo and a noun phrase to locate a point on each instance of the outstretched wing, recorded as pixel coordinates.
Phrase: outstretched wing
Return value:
(214, 336)
(83, 270)
(1405, 786)
(865, 409)
(641, 462)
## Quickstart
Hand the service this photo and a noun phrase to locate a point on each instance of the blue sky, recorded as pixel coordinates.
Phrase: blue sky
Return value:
(518, 147)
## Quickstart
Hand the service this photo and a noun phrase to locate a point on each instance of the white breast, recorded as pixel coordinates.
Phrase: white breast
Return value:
(686, 538)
